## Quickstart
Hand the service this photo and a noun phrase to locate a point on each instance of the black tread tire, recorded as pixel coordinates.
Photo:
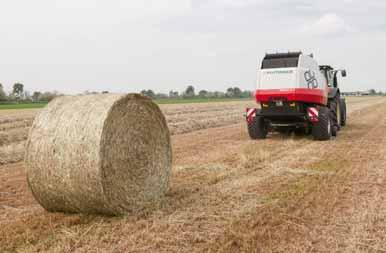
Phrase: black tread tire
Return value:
(257, 129)
(322, 130)
(333, 105)
(343, 112)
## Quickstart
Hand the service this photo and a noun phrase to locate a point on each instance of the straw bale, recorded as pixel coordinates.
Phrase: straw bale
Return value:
(105, 153)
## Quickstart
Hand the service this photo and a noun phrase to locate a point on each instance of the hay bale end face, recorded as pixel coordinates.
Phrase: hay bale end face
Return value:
(106, 153)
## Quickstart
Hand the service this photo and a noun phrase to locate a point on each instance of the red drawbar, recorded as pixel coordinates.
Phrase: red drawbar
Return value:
(315, 96)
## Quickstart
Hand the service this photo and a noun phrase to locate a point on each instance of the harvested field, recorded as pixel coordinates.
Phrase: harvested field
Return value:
(230, 194)
(181, 118)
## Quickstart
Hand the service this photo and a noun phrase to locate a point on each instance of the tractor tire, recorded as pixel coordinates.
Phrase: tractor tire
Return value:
(336, 114)
(322, 130)
(343, 112)
(257, 129)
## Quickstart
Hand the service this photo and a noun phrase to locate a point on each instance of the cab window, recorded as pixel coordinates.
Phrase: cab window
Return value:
(285, 62)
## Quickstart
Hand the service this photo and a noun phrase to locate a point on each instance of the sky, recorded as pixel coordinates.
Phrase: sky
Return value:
(125, 46)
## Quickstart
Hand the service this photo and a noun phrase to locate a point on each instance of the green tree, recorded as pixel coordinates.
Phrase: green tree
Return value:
(48, 96)
(3, 95)
(161, 95)
(246, 94)
(230, 92)
(219, 94)
(173, 94)
(189, 92)
(18, 90)
(36, 96)
(149, 93)
(237, 92)
(203, 93)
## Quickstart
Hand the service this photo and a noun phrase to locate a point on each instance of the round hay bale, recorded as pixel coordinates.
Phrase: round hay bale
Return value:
(106, 153)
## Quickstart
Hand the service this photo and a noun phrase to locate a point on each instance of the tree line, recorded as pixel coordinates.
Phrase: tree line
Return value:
(19, 94)
(190, 92)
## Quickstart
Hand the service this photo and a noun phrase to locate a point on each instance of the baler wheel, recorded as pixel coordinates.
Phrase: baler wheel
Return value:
(343, 111)
(336, 114)
(322, 130)
(257, 129)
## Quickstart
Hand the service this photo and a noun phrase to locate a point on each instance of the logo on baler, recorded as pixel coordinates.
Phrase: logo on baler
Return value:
(311, 79)
(279, 72)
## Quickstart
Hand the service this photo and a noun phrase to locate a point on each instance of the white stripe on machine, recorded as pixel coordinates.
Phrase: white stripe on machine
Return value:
(313, 112)
(250, 112)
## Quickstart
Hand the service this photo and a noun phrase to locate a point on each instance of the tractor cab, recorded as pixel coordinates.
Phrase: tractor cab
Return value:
(331, 75)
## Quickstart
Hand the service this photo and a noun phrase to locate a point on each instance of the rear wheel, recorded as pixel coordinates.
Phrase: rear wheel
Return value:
(257, 129)
(336, 114)
(343, 112)
(322, 130)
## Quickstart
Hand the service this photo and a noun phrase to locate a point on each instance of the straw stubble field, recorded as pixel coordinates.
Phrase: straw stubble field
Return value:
(227, 193)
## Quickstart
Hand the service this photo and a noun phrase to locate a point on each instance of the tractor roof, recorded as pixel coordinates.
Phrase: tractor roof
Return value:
(325, 67)
(283, 55)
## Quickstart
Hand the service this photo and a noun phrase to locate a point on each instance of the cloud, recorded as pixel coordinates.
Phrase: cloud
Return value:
(329, 24)
(215, 4)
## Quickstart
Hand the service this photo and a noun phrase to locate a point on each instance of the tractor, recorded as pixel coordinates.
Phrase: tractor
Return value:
(297, 95)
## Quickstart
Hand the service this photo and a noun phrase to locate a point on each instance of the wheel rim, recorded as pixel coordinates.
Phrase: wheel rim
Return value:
(329, 127)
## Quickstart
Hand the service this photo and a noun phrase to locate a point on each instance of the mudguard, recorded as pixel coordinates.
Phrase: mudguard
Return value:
(332, 92)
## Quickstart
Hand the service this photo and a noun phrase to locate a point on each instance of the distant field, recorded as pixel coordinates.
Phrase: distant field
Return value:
(158, 101)
(21, 106)
(197, 100)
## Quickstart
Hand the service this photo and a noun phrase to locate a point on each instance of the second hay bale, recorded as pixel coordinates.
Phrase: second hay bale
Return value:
(106, 153)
